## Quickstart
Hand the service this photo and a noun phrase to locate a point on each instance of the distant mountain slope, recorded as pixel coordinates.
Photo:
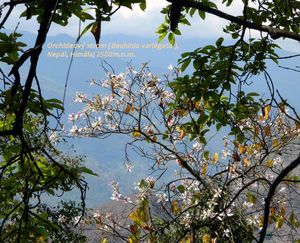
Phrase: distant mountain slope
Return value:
(106, 157)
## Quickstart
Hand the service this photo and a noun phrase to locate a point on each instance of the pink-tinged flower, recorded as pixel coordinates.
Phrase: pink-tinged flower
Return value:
(96, 214)
(71, 117)
(170, 121)
(74, 130)
(80, 97)
(127, 200)
(116, 196)
(129, 167)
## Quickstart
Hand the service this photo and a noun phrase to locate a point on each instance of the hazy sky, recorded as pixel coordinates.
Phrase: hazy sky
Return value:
(144, 24)
(136, 22)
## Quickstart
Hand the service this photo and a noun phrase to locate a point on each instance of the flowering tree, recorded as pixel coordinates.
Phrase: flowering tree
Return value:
(213, 195)
(32, 170)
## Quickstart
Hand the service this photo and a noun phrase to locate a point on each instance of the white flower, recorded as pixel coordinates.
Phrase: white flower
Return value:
(217, 193)
(225, 153)
(61, 219)
(197, 146)
(71, 117)
(277, 160)
(170, 67)
(173, 187)
(97, 124)
(127, 200)
(116, 196)
(282, 189)
(247, 204)
(108, 99)
(74, 130)
(54, 137)
(226, 233)
(76, 220)
(167, 95)
(150, 180)
(129, 167)
(161, 197)
(93, 82)
(80, 97)
(96, 214)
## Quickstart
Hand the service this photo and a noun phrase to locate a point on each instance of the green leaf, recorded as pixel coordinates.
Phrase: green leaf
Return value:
(185, 64)
(162, 36)
(219, 42)
(252, 94)
(206, 154)
(87, 171)
(201, 14)
(181, 188)
(171, 38)
(84, 16)
(85, 30)
(143, 6)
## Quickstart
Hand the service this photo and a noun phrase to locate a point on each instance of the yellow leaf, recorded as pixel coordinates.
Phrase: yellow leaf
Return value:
(128, 109)
(267, 130)
(249, 150)
(136, 134)
(270, 163)
(150, 132)
(175, 207)
(186, 240)
(279, 222)
(154, 139)
(204, 168)
(246, 162)
(276, 143)
(266, 111)
(216, 157)
(182, 134)
(242, 149)
(273, 211)
(206, 238)
(261, 118)
(256, 130)
(139, 215)
(261, 221)
(282, 211)
(292, 219)
(214, 240)
(41, 239)
(257, 147)
(231, 169)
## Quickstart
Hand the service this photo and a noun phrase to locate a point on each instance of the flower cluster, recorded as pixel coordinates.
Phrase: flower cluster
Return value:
(208, 188)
